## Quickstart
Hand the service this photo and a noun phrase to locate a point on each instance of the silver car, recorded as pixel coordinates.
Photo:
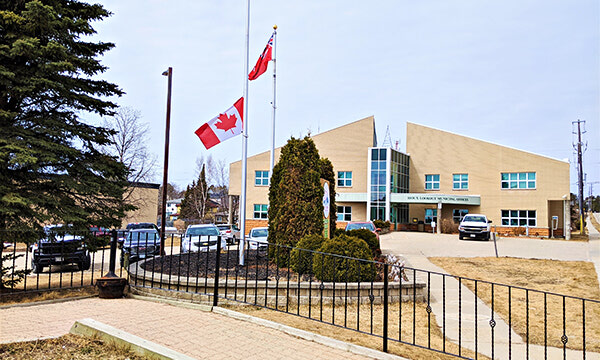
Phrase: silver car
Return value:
(201, 238)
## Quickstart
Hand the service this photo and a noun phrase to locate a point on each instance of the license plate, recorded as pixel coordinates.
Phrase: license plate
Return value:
(472, 235)
(59, 259)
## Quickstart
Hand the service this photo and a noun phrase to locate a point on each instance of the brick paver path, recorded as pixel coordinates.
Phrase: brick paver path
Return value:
(196, 333)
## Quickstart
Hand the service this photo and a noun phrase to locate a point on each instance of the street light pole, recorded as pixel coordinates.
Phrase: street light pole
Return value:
(169, 74)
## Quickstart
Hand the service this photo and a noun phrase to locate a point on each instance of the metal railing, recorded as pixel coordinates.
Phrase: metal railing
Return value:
(459, 316)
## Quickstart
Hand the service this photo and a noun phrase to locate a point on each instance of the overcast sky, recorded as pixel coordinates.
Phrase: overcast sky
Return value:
(512, 72)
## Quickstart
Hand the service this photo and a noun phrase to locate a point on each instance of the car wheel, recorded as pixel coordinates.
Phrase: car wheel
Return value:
(85, 264)
(36, 268)
(460, 237)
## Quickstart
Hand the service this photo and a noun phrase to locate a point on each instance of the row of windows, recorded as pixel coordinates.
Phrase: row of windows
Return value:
(261, 178)
(522, 180)
(508, 218)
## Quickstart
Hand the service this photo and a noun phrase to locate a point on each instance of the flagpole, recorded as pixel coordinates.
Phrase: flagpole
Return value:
(242, 244)
(272, 162)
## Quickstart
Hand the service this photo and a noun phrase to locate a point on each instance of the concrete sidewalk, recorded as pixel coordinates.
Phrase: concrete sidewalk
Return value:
(594, 243)
(462, 315)
(200, 334)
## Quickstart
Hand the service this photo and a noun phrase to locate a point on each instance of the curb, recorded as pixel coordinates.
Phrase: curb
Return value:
(46, 302)
(90, 327)
(302, 334)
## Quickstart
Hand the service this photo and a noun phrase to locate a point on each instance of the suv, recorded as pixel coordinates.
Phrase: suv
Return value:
(202, 237)
(59, 246)
(230, 232)
(140, 244)
(135, 226)
(474, 226)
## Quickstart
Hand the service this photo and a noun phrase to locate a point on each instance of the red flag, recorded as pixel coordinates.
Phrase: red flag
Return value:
(263, 61)
(220, 128)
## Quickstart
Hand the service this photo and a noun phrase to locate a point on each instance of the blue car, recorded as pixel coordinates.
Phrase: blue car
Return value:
(140, 244)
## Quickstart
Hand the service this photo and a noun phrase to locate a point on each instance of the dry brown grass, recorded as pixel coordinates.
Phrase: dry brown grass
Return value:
(66, 347)
(595, 224)
(422, 332)
(576, 278)
(45, 295)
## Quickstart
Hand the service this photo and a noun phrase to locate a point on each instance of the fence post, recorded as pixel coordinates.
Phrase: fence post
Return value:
(385, 307)
(113, 254)
(217, 268)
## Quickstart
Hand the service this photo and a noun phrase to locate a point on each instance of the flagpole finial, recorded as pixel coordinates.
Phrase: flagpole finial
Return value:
(275, 27)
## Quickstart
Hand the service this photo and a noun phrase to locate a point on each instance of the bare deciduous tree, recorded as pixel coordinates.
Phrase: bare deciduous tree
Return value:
(128, 145)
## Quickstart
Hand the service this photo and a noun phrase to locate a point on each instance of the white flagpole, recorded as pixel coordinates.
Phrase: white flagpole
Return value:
(242, 244)
(272, 162)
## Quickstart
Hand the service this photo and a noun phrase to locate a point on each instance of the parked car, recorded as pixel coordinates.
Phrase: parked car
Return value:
(59, 246)
(230, 232)
(140, 244)
(122, 234)
(202, 237)
(474, 226)
(99, 231)
(257, 238)
(355, 225)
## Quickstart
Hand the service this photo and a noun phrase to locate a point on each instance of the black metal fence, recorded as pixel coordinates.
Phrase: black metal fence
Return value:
(391, 302)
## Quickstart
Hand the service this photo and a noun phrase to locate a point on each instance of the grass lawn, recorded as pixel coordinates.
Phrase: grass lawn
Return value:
(66, 347)
(573, 278)
(422, 331)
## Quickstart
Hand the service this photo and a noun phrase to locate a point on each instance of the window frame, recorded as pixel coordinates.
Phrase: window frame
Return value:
(463, 178)
(515, 218)
(514, 180)
(344, 213)
(346, 182)
(461, 215)
(432, 181)
(432, 217)
(262, 210)
(261, 178)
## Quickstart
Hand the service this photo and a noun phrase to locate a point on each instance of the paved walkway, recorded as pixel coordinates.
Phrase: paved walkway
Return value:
(463, 317)
(196, 333)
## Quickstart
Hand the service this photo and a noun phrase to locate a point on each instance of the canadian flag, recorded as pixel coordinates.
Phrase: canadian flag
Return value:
(227, 124)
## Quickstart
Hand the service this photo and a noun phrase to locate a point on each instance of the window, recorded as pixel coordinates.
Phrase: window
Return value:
(518, 218)
(459, 214)
(522, 180)
(261, 211)
(432, 182)
(261, 178)
(460, 181)
(344, 213)
(344, 179)
(430, 214)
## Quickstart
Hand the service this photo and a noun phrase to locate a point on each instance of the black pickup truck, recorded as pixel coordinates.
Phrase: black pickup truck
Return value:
(59, 246)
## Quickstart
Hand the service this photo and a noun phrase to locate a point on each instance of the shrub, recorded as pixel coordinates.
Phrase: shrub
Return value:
(368, 236)
(383, 225)
(301, 257)
(338, 232)
(449, 227)
(328, 267)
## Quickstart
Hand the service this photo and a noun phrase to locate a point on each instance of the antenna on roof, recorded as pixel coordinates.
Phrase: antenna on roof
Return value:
(387, 140)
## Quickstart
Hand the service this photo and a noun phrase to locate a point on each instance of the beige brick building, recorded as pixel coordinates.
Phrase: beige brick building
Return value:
(441, 173)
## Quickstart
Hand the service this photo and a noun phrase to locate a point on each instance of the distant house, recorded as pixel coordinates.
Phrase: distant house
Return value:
(173, 209)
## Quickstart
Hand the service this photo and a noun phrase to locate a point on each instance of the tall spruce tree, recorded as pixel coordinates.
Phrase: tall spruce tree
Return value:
(295, 193)
(52, 167)
(195, 199)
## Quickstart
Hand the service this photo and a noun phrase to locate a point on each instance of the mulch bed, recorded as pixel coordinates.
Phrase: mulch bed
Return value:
(202, 264)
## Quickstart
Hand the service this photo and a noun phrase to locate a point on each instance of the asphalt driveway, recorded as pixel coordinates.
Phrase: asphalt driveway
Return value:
(426, 244)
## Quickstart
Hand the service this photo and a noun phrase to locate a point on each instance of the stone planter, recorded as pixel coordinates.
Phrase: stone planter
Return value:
(111, 287)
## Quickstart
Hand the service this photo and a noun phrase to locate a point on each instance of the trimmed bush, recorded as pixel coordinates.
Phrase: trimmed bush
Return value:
(329, 267)
(338, 232)
(301, 257)
(368, 237)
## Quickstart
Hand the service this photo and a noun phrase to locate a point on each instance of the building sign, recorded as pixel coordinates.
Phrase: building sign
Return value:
(435, 199)
(326, 208)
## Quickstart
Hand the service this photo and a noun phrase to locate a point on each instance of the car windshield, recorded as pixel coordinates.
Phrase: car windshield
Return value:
(203, 231)
(150, 236)
(474, 218)
(60, 231)
(223, 227)
(260, 233)
(368, 226)
(140, 226)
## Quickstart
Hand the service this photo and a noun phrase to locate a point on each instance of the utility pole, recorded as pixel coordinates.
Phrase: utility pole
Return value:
(578, 148)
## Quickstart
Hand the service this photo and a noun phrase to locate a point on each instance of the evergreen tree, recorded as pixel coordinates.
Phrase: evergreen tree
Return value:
(195, 199)
(51, 165)
(295, 194)
(327, 173)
